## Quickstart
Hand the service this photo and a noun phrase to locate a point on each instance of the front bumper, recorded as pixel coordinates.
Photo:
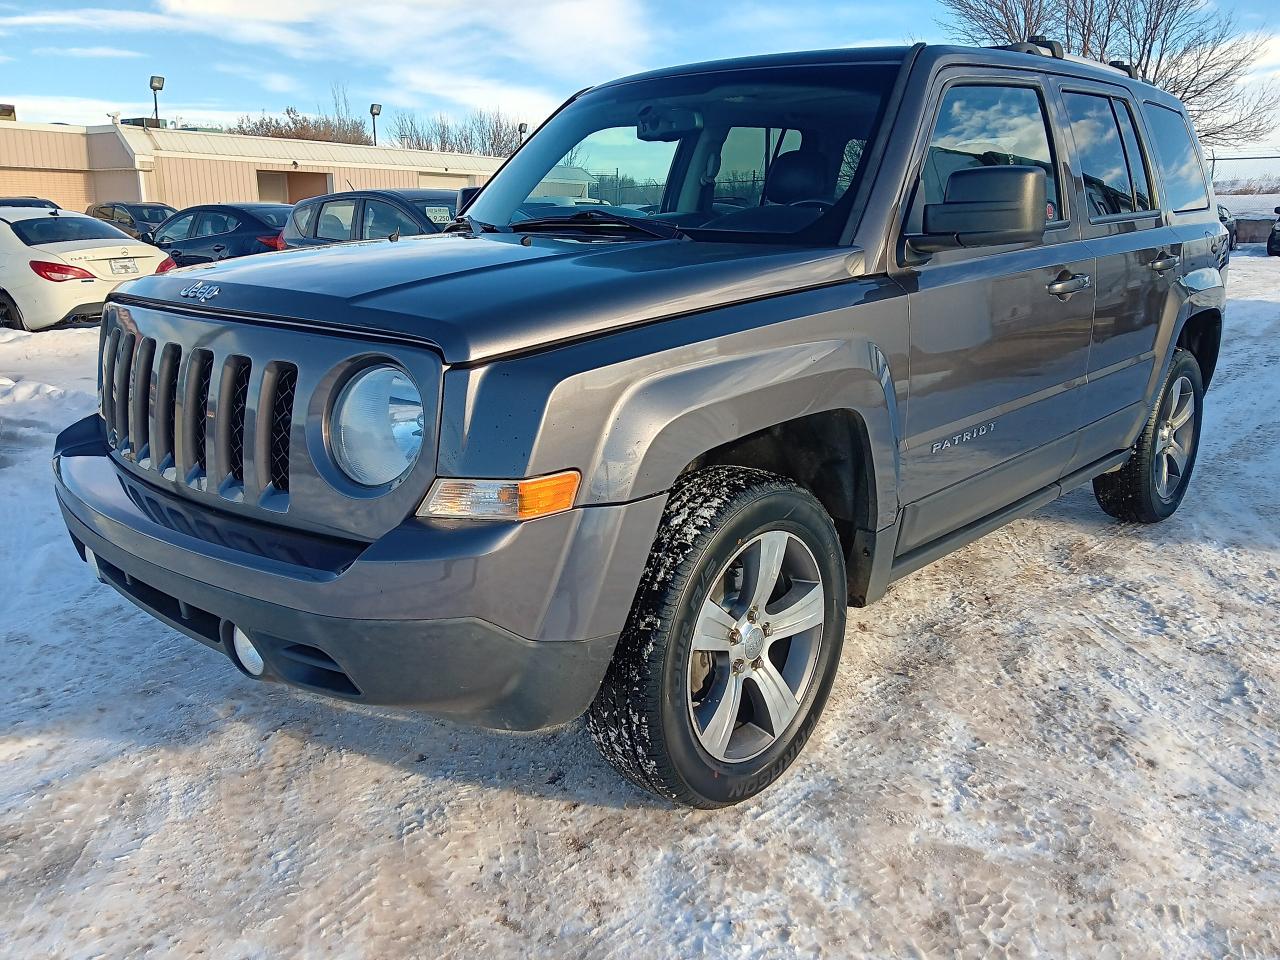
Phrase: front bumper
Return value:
(508, 626)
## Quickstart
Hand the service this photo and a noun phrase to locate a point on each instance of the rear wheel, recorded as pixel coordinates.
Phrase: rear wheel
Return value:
(10, 315)
(732, 644)
(1150, 486)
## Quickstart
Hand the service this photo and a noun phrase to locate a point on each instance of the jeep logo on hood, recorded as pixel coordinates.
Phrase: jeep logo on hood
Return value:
(199, 290)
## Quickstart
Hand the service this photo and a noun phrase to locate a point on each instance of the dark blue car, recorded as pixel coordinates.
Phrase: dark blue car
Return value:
(220, 231)
(369, 215)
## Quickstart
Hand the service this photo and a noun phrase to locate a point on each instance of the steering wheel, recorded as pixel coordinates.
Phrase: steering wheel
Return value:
(819, 204)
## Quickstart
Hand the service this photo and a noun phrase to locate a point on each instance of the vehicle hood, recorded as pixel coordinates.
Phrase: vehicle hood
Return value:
(475, 297)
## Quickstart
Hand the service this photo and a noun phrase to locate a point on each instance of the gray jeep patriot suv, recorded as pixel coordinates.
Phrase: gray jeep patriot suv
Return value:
(838, 314)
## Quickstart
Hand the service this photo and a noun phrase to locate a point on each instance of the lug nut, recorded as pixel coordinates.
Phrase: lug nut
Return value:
(751, 615)
(739, 666)
(768, 629)
(757, 663)
(735, 636)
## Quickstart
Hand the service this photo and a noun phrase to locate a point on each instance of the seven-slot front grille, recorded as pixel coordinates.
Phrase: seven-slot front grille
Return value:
(188, 418)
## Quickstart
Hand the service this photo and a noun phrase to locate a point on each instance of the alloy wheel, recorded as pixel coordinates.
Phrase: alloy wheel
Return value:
(1174, 438)
(755, 646)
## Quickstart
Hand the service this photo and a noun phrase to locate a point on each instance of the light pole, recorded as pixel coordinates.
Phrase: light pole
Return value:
(157, 84)
(375, 110)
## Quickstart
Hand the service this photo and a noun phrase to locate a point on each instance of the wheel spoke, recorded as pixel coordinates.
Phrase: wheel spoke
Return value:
(719, 728)
(712, 630)
(1162, 482)
(802, 608)
(1182, 413)
(776, 698)
(1175, 396)
(763, 565)
(1178, 455)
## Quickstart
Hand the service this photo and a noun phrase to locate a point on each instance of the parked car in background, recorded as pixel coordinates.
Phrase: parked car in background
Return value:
(1228, 221)
(28, 202)
(1273, 239)
(134, 219)
(368, 215)
(58, 265)
(220, 231)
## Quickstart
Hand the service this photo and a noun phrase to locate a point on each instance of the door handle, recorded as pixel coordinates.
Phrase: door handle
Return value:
(1066, 286)
(219, 247)
(1165, 262)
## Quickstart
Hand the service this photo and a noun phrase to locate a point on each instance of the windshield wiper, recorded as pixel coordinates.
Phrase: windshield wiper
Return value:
(464, 223)
(654, 228)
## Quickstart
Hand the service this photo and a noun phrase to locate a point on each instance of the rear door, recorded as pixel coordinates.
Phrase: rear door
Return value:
(211, 240)
(1124, 229)
(997, 360)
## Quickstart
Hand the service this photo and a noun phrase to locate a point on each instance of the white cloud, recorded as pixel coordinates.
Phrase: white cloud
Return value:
(88, 52)
(92, 111)
(268, 80)
(433, 54)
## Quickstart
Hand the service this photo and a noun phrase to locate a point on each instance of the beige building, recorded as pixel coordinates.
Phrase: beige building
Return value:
(79, 166)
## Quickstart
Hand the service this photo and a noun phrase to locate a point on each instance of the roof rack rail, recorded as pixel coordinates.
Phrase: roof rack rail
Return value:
(1037, 46)
(1127, 69)
(1055, 48)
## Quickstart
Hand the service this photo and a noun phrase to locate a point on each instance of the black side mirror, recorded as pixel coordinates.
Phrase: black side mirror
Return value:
(146, 236)
(1277, 209)
(465, 196)
(985, 207)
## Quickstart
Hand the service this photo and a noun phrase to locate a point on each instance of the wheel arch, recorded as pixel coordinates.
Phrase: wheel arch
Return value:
(1201, 334)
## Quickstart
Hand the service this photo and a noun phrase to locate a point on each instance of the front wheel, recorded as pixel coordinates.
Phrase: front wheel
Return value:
(732, 643)
(1150, 486)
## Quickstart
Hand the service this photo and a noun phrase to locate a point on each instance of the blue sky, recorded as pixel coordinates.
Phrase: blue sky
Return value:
(70, 62)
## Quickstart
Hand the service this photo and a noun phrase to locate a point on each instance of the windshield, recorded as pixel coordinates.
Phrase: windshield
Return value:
(52, 229)
(765, 154)
(152, 214)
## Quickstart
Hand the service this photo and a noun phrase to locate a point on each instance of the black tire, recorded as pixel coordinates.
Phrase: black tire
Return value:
(10, 315)
(1133, 492)
(641, 719)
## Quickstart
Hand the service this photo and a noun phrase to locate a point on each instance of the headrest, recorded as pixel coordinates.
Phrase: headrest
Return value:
(798, 175)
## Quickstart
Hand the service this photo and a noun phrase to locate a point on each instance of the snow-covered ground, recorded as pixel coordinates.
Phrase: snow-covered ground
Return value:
(1063, 741)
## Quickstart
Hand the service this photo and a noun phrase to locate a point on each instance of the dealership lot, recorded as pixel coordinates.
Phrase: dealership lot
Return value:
(1062, 740)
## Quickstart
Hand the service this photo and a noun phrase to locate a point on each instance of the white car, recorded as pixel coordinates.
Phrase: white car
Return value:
(57, 265)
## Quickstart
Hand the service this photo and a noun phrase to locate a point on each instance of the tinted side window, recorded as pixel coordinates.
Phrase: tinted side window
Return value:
(1184, 181)
(1142, 197)
(335, 220)
(1107, 188)
(210, 224)
(177, 229)
(382, 219)
(304, 215)
(986, 126)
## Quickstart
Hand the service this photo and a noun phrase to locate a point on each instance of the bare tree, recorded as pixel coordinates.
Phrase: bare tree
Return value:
(1193, 49)
(337, 125)
(489, 133)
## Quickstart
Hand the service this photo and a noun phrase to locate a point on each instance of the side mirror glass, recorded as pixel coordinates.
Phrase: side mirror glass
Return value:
(146, 236)
(985, 207)
(465, 196)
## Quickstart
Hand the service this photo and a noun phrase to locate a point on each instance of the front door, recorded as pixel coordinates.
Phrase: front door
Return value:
(998, 352)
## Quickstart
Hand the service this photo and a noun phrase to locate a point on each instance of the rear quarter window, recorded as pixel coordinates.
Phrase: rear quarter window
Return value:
(1184, 181)
(304, 215)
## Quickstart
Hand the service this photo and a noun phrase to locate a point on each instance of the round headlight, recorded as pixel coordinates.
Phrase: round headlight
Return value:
(376, 427)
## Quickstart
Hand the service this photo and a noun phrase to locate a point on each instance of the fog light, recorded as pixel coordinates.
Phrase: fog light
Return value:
(247, 653)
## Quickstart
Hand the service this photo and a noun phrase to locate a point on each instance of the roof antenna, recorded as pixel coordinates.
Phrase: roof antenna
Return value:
(349, 187)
